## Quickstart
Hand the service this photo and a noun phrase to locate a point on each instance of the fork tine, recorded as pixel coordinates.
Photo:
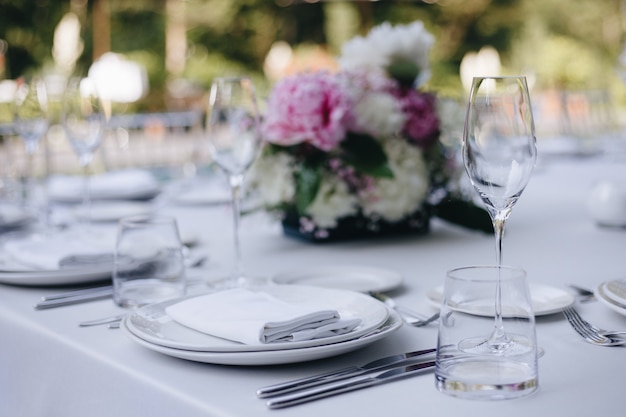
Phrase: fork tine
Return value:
(585, 329)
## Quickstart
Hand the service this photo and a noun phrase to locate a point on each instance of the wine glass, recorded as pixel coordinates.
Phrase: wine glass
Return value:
(499, 154)
(234, 137)
(31, 124)
(84, 122)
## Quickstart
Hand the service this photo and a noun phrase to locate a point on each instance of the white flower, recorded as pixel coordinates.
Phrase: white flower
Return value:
(385, 44)
(379, 114)
(333, 201)
(272, 176)
(393, 199)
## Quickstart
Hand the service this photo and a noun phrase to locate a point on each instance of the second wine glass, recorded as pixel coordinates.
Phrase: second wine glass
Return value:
(233, 130)
(499, 154)
(84, 122)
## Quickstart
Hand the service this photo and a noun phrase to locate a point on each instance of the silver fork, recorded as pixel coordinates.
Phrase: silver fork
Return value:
(591, 333)
(408, 316)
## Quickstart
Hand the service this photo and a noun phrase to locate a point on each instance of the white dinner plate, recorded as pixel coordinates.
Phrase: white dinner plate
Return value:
(346, 277)
(607, 295)
(275, 357)
(32, 258)
(545, 299)
(152, 324)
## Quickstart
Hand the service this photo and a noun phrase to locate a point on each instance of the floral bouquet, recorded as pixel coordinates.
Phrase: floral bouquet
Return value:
(357, 152)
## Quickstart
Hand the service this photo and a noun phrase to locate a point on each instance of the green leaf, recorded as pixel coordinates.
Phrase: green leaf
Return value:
(366, 155)
(308, 180)
(403, 71)
(464, 213)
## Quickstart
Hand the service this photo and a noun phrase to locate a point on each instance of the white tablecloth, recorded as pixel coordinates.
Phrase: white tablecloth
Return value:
(51, 367)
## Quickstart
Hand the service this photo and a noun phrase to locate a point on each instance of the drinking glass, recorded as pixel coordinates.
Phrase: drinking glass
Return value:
(499, 154)
(84, 122)
(464, 368)
(234, 139)
(31, 124)
(149, 262)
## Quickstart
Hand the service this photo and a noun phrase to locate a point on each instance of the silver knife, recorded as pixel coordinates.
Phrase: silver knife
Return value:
(342, 374)
(348, 385)
(74, 293)
(81, 298)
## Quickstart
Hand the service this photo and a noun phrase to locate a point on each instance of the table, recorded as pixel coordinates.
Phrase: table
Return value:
(51, 367)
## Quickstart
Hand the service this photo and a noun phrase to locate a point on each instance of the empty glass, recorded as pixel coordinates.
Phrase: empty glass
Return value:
(149, 262)
(467, 364)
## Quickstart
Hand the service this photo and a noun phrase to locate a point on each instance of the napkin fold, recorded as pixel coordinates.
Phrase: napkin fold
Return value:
(250, 317)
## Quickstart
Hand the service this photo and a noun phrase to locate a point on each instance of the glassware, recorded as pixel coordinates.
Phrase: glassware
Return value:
(234, 140)
(31, 124)
(84, 122)
(463, 367)
(499, 154)
(149, 262)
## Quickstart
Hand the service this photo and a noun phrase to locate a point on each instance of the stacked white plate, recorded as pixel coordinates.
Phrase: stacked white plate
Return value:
(613, 295)
(151, 327)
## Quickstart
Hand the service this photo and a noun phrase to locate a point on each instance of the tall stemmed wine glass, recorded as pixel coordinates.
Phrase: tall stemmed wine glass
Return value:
(499, 153)
(84, 122)
(31, 124)
(234, 140)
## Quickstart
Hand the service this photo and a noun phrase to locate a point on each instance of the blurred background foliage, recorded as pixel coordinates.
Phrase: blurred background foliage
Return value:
(559, 44)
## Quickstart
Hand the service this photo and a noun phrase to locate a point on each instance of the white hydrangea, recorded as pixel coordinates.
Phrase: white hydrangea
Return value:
(272, 177)
(379, 114)
(333, 201)
(386, 43)
(394, 199)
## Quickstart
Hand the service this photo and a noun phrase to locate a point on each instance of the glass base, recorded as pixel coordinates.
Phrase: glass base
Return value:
(486, 378)
(139, 293)
(506, 345)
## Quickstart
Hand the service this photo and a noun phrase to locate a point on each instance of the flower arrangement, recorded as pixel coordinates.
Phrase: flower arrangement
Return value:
(355, 151)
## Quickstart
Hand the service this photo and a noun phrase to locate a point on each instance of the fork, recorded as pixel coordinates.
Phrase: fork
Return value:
(408, 316)
(591, 333)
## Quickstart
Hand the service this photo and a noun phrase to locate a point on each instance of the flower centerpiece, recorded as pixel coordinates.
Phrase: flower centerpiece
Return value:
(356, 152)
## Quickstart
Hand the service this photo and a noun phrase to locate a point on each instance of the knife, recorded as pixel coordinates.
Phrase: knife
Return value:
(349, 385)
(345, 373)
(75, 299)
(74, 293)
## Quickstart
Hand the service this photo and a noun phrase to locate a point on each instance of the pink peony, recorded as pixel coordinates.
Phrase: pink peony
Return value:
(310, 108)
(422, 122)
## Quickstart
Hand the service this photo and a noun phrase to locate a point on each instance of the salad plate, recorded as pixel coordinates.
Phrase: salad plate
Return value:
(545, 299)
(348, 277)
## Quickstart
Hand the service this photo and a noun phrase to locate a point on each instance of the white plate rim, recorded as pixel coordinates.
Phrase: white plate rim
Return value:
(147, 323)
(541, 308)
(273, 357)
(387, 279)
(600, 293)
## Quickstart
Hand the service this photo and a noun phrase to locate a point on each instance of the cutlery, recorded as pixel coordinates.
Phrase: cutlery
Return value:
(74, 293)
(75, 299)
(316, 393)
(409, 316)
(345, 373)
(584, 294)
(105, 320)
(592, 334)
(95, 293)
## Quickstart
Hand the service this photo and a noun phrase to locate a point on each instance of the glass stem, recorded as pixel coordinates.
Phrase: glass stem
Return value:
(498, 331)
(29, 188)
(86, 196)
(235, 186)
